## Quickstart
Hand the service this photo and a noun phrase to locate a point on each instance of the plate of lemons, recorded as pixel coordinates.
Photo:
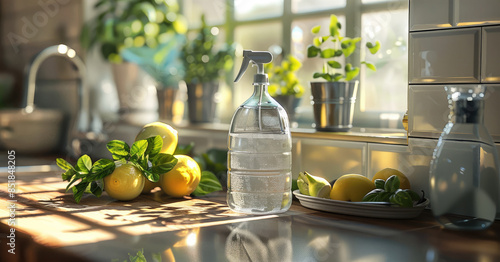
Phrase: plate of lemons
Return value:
(387, 195)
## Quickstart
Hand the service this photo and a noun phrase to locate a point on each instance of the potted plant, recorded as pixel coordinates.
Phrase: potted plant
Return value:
(133, 34)
(284, 84)
(204, 63)
(333, 100)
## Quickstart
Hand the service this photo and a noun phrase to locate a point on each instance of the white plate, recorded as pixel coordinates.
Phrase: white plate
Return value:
(360, 209)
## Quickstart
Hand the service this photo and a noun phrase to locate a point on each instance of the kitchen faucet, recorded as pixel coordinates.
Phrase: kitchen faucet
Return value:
(81, 128)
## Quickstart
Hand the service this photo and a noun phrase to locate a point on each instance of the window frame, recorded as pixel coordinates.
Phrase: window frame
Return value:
(352, 11)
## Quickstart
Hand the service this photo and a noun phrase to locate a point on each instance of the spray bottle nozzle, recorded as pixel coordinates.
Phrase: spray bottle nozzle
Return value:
(258, 58)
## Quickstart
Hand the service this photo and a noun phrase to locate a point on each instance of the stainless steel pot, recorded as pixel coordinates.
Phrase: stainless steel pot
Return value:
(31, 133)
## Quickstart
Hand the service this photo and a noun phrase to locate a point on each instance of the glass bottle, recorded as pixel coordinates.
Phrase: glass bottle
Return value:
(464, 166)
(259, 155)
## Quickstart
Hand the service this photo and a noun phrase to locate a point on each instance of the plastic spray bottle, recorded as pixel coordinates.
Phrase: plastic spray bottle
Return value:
(260, 144)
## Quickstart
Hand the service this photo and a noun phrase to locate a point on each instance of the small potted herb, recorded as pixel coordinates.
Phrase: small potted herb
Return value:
(141, 39)
(337, 94)
(284, 84)
(204, 64)
(123, 24)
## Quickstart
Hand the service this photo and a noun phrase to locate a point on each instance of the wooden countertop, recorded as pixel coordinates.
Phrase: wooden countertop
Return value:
(50, 226)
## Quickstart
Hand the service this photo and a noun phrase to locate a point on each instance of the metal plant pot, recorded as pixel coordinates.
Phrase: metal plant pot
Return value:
(202, 102)
(171, 104)
(333, 105)
(290, 104)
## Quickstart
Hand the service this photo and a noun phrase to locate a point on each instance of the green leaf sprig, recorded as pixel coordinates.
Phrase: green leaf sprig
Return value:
(145, 155)
(208, 183)
(86, 177)
(344, 46)
(389, 191)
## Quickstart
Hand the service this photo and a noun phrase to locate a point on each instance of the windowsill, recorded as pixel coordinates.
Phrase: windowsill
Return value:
(369, 135)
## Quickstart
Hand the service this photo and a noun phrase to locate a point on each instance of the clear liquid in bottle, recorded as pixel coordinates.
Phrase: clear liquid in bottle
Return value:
(266, 189)
(259, 176)
(259, 157)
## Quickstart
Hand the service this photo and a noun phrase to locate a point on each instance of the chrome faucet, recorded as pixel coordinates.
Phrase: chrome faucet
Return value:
(80, 125)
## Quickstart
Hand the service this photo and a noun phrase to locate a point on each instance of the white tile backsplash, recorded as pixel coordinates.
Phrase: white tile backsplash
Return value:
(476, 12)
(492, 110)
(440, 14)
(490, 55)
(430, 14)
(445, 56)
(428, 110)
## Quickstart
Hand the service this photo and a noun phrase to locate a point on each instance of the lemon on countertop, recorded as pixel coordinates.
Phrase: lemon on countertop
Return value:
(167, 133)
(183, 179)
(384, 174)
(125, 183)
(351, 187)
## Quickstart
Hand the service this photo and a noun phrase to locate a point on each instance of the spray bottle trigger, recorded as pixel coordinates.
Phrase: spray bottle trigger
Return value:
(244, 66)
(258, 58)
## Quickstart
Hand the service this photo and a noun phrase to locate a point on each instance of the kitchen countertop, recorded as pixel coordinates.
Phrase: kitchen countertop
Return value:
(50, 226)
(356, 134)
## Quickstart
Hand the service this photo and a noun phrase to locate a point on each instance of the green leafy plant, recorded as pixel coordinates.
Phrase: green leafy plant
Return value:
(121, 24)
(144, 154)
(333, 70)
(389, 191)
(202, 62)
(283, 78)
(139, 257)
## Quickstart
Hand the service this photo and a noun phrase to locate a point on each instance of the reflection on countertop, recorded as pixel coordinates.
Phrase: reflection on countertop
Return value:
(205, 229)
(279, 238)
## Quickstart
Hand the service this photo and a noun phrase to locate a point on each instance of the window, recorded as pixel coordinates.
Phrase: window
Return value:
(283, 26)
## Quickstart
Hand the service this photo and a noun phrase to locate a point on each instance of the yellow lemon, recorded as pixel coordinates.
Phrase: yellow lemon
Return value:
(182, 179)
(167, 133)
(351, 187)
(125, 183)
(404, 182)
